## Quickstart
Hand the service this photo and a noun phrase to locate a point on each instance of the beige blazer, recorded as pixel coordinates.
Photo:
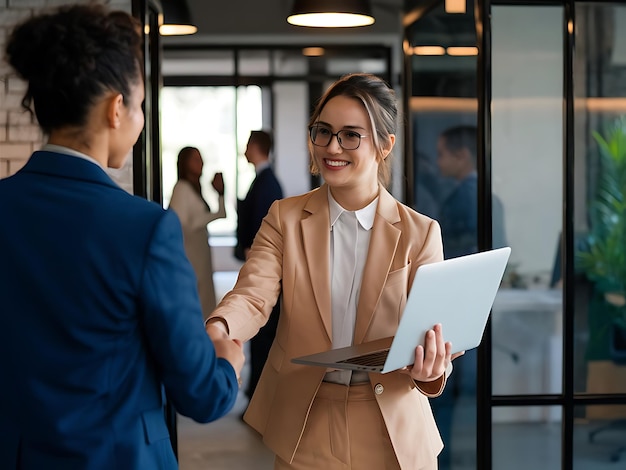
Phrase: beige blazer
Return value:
(291, 251)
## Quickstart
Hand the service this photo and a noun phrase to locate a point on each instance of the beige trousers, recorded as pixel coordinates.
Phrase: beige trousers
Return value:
(345, 431)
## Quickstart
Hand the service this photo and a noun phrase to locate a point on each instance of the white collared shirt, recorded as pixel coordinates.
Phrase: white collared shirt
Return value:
(68, 151)
(356, 225)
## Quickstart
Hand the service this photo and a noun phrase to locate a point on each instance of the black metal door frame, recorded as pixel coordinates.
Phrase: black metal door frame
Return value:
(147, 168)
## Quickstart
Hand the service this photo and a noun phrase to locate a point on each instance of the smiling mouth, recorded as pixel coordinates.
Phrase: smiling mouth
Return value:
(336, 163)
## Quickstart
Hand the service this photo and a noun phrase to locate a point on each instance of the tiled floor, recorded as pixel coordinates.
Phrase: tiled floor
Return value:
(229, 443)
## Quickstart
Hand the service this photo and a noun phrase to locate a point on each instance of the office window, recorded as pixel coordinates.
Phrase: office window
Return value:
(207, 118)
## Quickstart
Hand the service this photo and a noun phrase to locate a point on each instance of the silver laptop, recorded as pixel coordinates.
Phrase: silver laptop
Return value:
(458, 293)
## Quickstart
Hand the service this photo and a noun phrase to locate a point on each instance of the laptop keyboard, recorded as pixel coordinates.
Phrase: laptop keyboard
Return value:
(373, 359)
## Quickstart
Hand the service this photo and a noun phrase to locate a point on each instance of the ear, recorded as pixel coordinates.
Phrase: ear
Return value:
(463, 154)
(392, 141)
(114, 110)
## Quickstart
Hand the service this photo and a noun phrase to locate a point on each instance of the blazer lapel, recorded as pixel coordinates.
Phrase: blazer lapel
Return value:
(382, 249)
(316, 240)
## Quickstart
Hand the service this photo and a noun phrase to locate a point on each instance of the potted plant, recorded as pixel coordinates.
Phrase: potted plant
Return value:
(603, 257)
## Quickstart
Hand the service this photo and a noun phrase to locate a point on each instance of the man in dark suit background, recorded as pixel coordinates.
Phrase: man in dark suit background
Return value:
(265, 189)
(458, 215)
(458, 218)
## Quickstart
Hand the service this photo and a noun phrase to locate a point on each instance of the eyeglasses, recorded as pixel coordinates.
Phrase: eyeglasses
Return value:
(348, 140)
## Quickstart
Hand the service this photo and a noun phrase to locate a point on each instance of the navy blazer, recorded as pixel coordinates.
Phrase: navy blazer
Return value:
(264, 190)
(458, 217)
(100, 315)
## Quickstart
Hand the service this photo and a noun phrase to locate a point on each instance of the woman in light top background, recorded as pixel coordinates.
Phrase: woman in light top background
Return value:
(194, 214)
(342, 258)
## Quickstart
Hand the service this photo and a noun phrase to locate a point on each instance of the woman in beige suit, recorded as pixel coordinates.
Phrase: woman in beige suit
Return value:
(344, 256)
(194, 214)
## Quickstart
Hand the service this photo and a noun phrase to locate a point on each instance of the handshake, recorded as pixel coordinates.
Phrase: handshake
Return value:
(225, 347)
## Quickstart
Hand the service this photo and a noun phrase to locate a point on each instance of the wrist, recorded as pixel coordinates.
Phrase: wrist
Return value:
(217, 322)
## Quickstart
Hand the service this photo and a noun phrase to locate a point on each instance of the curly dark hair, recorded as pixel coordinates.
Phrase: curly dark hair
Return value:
(70, 57)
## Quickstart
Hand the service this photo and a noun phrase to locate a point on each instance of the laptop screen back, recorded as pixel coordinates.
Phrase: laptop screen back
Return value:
(458, 293)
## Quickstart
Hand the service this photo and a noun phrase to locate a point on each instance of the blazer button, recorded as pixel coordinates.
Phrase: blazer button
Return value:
(378, 389)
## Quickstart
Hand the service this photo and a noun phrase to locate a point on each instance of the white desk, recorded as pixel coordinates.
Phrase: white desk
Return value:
(528, 299)
(527, 349)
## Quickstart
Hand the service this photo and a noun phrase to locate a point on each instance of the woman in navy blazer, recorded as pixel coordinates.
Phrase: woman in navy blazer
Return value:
(100, 308)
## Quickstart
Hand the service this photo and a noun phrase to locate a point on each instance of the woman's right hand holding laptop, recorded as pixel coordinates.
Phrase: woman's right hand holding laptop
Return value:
(433, 358)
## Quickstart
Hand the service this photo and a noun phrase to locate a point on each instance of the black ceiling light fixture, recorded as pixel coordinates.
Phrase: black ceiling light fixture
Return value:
(176, 19)
(331, 13)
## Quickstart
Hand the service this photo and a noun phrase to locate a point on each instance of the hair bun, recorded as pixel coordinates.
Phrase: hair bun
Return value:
(71, 56)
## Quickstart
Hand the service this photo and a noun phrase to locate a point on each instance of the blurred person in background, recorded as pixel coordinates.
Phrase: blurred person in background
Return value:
(194, 214)
(456, 158)
(264, 190)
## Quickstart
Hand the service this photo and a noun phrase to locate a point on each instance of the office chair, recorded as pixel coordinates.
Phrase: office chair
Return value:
(616, 454)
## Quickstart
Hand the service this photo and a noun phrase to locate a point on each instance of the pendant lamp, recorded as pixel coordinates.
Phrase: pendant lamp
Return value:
(331, 13)
(176, 19)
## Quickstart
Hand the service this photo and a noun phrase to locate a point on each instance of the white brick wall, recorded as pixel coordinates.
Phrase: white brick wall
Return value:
(19, 133)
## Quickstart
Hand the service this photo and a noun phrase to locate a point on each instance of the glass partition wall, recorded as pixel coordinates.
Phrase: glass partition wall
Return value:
(527, 149)
(441, 75)
(598, 240)
(542, 86)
